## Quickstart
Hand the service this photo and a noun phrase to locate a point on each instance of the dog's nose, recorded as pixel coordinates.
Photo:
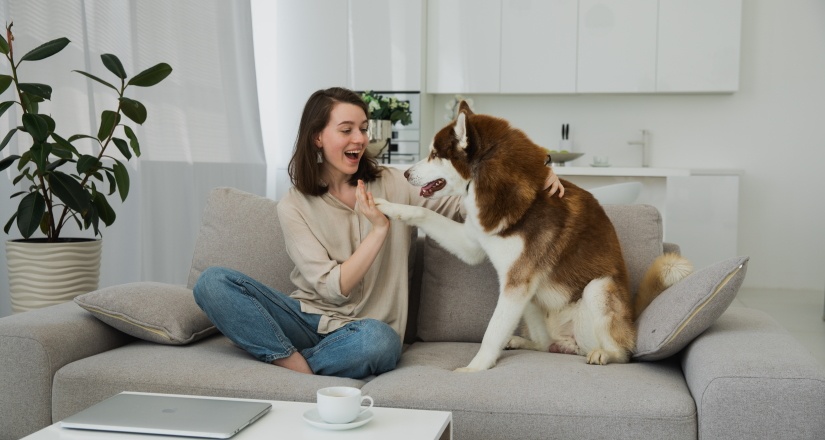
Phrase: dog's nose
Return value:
(407, 174)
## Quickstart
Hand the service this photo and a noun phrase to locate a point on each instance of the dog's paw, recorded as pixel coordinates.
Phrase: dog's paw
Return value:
(598, 357)
(517, 342)
(396, 211)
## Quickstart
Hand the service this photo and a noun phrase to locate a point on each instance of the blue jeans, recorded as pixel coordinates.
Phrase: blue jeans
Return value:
(270, 325)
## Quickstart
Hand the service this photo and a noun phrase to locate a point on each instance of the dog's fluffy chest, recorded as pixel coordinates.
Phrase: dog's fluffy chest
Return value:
(502, 251)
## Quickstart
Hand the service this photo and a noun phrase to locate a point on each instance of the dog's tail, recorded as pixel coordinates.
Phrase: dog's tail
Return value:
(666, 270)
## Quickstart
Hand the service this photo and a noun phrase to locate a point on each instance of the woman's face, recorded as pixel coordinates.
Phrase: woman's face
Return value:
(344, 140)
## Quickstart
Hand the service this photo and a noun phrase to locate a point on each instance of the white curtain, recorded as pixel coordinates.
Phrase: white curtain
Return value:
(203, 129)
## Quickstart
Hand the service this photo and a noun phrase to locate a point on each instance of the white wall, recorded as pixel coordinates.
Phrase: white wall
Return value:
(773, 129)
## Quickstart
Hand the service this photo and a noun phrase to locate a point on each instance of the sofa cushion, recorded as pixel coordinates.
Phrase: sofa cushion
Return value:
(156, 312)
(457, 300)
(210, 367)
(241, 231)
(533, 395)
(688, 308)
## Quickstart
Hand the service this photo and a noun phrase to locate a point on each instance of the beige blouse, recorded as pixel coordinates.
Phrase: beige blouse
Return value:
(321, 233)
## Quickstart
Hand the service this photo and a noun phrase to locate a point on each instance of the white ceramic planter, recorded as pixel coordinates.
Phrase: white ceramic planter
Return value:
(42, 274)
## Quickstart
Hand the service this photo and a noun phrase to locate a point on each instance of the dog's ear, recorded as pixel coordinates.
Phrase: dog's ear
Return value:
(460, 130)
(463, 107)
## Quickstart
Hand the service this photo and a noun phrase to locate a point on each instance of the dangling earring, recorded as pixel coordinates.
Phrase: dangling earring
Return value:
(320, 156)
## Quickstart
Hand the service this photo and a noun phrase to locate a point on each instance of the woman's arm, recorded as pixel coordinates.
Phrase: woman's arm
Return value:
(356, 266)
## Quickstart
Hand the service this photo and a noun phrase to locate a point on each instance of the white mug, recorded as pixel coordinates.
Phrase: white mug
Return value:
(341, 404)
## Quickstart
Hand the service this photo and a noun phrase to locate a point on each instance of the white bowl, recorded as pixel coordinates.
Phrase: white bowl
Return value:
(561, 158)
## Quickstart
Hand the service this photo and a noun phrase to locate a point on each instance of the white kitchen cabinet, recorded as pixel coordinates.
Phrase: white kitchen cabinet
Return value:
(538, 46)
(384, 45)
(463, 46)
(617, 46)
(699, 44)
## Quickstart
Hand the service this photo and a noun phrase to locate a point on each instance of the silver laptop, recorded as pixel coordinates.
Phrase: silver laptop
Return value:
(168, 415)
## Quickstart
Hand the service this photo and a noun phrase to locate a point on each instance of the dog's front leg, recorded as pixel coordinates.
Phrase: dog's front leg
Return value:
(448, 233)
(508, 312)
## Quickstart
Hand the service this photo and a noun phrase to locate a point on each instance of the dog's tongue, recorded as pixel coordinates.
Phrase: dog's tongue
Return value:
(429, 189)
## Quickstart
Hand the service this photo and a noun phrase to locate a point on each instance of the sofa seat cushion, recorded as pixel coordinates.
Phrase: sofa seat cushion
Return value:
(533, 395)
(210, 367)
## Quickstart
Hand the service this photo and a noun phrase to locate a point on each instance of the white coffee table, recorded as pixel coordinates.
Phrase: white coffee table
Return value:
(285, 420)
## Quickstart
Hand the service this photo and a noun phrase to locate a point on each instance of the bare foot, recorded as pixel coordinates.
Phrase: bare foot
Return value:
(294, 362)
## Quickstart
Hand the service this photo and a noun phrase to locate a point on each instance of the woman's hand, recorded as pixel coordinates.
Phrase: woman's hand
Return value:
(366, 205)
(554, 183)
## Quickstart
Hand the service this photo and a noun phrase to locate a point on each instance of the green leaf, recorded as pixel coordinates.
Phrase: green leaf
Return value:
(123, 147)
(133, 110)
(5, 106)
(69, 191)
(112, 183)
(108, 121)
(40, 156)
(5, 82)
(66, 145)
(4, 48)
(20, 177)
(104, 210)
(133, 140)
(45, 221)
(7, 138)
(50, 124)
(122, 178)
(113, 64)
(151, 76)
(86, 163)
(6, 162)
(29, 213)
(30, 102)
(81, 136)
(42, 90)
(46, 50)
(36, 126)
(97, 79)
(55, 165)
(7, 228)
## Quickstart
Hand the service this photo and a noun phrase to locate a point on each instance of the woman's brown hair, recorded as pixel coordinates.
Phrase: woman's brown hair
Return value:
(304, 169)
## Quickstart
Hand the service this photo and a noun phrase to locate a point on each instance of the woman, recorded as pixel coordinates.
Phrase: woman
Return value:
(348, 315)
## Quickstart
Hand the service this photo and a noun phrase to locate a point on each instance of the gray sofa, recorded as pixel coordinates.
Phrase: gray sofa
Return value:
(745, 377)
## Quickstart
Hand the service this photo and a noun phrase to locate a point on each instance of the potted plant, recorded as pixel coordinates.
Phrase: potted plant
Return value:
(384, 112)
(61, 184)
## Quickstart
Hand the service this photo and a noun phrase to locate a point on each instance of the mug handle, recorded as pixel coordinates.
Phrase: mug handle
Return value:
(367, 407)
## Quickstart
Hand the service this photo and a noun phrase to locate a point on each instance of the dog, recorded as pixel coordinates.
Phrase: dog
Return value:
(559, 263)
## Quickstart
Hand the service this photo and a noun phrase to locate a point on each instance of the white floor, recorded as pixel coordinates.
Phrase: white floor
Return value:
(799, 311)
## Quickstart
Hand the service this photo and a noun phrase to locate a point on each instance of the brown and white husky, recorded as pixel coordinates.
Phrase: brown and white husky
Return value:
(559, 263)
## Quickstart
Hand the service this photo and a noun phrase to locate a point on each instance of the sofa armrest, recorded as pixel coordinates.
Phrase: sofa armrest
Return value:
(33, 346)
(750, 378)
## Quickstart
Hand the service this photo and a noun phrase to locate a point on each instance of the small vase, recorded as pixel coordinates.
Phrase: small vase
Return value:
(43, 274)
(379, 132)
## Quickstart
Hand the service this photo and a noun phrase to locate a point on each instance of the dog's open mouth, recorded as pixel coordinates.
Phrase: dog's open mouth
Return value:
(431, 188)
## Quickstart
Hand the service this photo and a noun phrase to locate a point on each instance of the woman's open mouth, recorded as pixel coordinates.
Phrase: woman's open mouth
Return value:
(353, 154)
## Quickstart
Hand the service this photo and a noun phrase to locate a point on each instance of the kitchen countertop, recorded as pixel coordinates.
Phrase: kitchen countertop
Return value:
(642, 171)
(629, 171)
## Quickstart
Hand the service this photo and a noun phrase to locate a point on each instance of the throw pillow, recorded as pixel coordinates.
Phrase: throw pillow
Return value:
(154, 312)
(688, 308)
